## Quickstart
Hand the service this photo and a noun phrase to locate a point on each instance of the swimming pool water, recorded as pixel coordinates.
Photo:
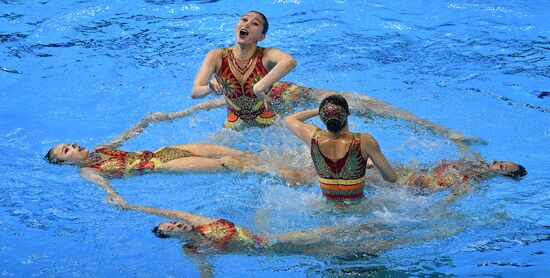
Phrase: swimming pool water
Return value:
(86, 70)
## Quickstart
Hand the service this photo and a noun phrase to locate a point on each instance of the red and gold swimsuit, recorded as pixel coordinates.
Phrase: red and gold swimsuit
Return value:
(243, 105)
(444, 175)
(344, 178)
(121, 163)
(223, 233)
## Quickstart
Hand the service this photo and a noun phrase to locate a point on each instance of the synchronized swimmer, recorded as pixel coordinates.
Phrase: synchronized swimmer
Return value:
(340, 156)
(105, 162)
(246, 75)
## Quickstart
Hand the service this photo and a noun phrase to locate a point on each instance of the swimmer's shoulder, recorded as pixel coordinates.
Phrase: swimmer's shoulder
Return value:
(216, 53)
(367, 140)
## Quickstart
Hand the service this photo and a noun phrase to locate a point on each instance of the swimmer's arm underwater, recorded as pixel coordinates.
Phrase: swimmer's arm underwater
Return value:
(113, 197)
(458, 191)
(158, 117)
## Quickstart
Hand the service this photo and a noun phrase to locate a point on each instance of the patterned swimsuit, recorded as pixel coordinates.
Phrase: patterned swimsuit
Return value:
(444, 175)
(344, 178)
(243, 105)
(121, 163)
(224, 233)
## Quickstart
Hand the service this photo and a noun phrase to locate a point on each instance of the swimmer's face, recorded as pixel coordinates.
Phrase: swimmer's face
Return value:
(503, 167)
(72, 154)
(249, 28)
(173, 228)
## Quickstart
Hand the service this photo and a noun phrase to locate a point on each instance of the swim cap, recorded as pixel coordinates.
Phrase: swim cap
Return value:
(334, 112)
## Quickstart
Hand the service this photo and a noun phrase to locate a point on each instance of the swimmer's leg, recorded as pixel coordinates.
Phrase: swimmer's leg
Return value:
(193, 163)
(209, 150)
(244, 163)
(331, 233)
(253, 162)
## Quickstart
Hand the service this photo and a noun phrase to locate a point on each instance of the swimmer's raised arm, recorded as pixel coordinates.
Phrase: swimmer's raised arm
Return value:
(158, 117)
(296, 124)
(203, 86)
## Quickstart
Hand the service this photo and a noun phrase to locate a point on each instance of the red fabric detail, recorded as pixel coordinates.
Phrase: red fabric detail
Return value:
(245, 89)
(336, 166)
(207, 230)
(144, 161)
(231, 117)
(115, 157)
(343, 196)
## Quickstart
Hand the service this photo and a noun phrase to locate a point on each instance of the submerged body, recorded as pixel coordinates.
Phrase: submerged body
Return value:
(105, 163)
(220, 235)
(451, 174)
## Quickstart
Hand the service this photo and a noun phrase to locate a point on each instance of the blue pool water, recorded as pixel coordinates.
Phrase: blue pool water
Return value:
(86, 70)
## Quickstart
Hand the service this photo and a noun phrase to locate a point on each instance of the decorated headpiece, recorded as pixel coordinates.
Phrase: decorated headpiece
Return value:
(333, 112)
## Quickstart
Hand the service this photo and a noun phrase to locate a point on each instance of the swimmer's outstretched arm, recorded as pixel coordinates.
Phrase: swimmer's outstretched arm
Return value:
(113, 197)
(190, 218)
(364, 104)
(158, 117)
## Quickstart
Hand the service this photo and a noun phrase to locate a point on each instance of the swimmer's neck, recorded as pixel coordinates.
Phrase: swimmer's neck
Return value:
(340, 134)
(244, 51)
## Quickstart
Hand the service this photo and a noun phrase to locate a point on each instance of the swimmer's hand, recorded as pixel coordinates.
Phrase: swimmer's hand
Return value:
(263, 93)
(459, 137)
(117, 200)
(215, 85)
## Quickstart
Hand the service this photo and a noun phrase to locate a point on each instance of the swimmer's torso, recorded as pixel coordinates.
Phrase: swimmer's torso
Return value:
(344, 178)
(120, 163)
(446, 174)
(244, 107)
(243, 104)
(226, 235)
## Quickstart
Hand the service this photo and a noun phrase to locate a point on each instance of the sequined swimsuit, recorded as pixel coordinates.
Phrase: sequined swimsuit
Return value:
(224, 233)
(446, 174)
(121, 163)
(243, 105)
(344, 178)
